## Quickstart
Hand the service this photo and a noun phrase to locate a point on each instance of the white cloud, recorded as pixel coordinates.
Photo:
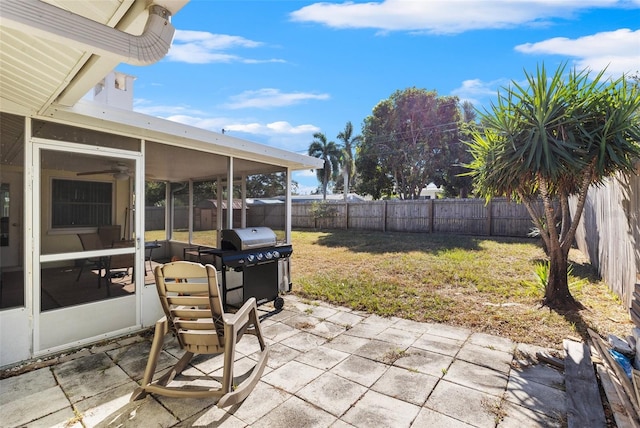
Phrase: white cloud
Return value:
(618, 51)
(142, 105)
(476, 91)
(280, 134)
(305, 189)
(215, 124)
(213, 41)
(446, 16)
(285, 128)
(306, 173)
(201, 47)
(273, 128)
(269, 97)
(307, 181)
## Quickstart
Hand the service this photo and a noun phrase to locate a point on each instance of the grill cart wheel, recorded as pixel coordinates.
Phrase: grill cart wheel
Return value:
(278, 303)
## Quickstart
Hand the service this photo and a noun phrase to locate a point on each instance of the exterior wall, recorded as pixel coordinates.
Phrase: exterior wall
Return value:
(609, 233)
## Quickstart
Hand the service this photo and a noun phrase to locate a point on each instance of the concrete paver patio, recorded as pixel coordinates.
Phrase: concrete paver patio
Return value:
(328, 367)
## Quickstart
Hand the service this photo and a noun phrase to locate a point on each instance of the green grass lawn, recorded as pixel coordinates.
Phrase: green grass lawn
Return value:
(485, 284)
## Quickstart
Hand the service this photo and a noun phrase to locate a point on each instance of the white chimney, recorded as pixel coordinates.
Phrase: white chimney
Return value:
(115, 90)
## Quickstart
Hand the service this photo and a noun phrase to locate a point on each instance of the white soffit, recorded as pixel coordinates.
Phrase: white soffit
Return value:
(52, 23)
(35, 72)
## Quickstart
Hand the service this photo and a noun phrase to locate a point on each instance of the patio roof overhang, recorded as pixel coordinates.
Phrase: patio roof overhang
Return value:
(178, 152)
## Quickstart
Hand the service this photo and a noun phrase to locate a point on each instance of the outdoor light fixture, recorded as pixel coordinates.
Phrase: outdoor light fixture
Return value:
(121, 175)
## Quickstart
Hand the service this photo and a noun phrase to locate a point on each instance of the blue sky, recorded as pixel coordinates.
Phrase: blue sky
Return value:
(275, 72)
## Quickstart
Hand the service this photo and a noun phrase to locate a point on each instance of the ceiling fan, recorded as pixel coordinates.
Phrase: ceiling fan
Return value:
(119, 172)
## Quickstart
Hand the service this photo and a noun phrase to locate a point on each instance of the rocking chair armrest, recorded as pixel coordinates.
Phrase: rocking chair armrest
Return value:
(162, 326)
(241, 317)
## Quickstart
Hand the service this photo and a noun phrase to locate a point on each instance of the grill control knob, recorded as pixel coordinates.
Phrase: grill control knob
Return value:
(268, 255)
(259, 256)
(276, 254)
(251, 258)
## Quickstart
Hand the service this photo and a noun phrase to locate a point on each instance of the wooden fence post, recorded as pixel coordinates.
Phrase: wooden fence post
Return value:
(346, 215)
(431, 213)
(490, 218)
(384, 217)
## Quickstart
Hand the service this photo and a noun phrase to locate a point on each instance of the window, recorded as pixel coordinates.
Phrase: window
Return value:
(80, 203)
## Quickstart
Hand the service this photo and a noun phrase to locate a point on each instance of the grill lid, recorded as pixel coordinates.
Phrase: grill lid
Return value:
(247, 238)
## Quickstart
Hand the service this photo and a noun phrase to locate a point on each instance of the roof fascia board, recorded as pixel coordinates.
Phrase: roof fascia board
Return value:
(138, 125)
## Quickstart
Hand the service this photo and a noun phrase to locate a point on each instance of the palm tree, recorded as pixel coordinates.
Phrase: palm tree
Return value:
(346, 158)
(553, 139)
(330, 153)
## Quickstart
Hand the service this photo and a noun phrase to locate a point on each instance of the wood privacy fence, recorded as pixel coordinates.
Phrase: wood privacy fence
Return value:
(458, 216)
(609, 234)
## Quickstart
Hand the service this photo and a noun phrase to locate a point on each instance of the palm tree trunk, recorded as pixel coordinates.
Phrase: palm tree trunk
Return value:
(557, 294)
(345, 176)
(325, 182)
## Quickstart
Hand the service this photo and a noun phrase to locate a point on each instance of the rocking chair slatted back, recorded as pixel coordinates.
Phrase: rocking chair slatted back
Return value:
(190, 297)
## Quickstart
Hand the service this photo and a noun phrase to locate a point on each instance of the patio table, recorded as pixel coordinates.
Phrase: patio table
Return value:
(150, 246)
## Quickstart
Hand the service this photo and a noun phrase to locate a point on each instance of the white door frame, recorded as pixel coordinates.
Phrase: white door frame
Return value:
(79, 325)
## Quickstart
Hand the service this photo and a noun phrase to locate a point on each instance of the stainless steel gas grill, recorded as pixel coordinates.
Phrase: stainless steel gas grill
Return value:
(264, 266)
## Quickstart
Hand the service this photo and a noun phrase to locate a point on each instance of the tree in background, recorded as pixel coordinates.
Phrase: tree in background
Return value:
(408, 139)
(551, 139)
(346, 159)
(258, 186)
(269, 185)
(455, 182)
(330, 153)
(374, 178)
(154, 193)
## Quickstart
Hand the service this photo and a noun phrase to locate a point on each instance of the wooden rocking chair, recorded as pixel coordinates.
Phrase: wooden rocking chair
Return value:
(190, 297)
